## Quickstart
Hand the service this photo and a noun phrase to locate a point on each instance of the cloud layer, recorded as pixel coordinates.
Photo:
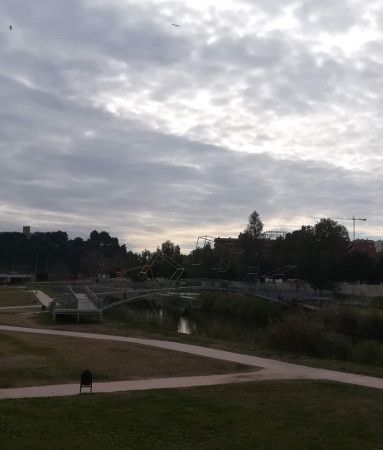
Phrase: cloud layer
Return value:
(113, 118)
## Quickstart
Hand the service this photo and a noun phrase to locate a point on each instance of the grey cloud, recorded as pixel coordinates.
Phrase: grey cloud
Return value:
(331, 16)
(70, 53)
(98, 177)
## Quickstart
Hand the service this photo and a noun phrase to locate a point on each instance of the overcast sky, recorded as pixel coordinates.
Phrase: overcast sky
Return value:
(111, 118)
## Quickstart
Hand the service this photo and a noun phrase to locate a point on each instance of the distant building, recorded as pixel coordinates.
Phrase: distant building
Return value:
(27, 231)
(379, 246)
(274, 234)
(233, 242)
(365, 246)
(13, 278)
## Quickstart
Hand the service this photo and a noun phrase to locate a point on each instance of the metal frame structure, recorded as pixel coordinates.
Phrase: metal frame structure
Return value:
(229, 250)
(206, 240)
(252, 274)
(146, 273)
(279, 273)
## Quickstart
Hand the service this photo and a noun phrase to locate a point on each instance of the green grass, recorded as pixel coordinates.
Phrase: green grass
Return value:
(15, 297)
(28, 360)
(265, 415)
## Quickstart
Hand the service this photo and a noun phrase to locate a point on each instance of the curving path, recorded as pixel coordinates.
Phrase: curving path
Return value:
(19, 307)
(271, 369)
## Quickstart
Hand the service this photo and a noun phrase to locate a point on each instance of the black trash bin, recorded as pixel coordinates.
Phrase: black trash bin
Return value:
(86, 381)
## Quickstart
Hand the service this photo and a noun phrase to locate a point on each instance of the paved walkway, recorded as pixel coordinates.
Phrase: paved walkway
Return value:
(19, 307)
(61, 390)
(43, 298)
(272, 369)
(84, 303)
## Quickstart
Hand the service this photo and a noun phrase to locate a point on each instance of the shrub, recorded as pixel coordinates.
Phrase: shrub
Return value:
(335, 345)
(296, 333)
(368, 352)
(366, 324)
(302, 333)
(240, 306)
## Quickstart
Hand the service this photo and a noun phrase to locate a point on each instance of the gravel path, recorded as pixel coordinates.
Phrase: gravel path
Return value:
(271, 369)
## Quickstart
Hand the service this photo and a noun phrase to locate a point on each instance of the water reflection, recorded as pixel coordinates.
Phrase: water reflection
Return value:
(197, 323)
(186, 326)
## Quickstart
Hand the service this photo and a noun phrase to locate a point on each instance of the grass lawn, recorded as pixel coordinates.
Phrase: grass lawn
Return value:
(24, 318)
(15, 297)
(112, 326)
(42, 320)
(265, 415)
(28, 360)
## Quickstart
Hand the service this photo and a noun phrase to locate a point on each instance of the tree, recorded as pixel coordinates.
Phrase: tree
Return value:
(331, 242)
(317, 251)
(103, 240)
(170, 249)
(255, 226)
(330, 230)
(358, 267)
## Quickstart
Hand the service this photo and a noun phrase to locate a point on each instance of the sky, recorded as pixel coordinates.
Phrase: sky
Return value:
(113, 119)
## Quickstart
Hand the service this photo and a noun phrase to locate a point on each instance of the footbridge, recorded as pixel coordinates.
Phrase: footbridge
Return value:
(95, 299)
(80, 302)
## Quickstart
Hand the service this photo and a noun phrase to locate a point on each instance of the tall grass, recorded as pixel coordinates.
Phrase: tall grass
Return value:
(240, 306)
(342, 336)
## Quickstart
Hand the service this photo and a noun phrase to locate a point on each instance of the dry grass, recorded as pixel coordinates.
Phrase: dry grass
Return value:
(15, 297)
(28, 360)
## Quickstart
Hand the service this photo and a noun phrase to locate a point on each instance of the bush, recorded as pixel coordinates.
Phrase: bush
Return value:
(334, 345)
(368, 352)
(302, 333)
(240, 306)
(365, 324)
(297, 333)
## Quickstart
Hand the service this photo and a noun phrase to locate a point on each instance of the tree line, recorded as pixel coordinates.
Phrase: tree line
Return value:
(318, 253)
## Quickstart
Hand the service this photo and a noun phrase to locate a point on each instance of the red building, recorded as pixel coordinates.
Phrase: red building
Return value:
(362, 246)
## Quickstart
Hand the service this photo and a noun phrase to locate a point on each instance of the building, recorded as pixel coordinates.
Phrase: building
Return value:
(13, 278)
(379, 246)
(365, 246)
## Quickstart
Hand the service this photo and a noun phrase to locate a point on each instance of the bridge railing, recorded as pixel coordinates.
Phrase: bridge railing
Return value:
(98, 302)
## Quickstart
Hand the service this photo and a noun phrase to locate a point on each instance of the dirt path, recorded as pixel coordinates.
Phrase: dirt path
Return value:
(272, 369)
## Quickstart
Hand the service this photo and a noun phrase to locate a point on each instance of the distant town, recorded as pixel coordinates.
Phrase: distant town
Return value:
(322, 254)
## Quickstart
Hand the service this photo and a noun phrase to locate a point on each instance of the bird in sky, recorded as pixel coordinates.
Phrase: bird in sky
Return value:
(10, 27)
(176, 25)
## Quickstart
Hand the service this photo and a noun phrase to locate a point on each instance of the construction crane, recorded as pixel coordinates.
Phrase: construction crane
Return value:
(353, 218)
